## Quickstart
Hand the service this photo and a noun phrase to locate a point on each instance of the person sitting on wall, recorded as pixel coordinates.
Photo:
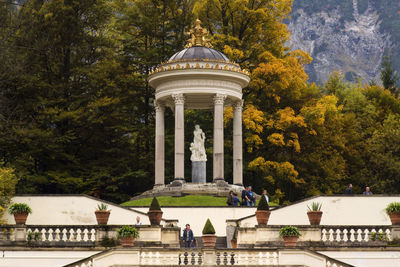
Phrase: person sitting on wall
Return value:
(235, 200)
(349, 190)
(264, 194)
(229, 201)
(367, 191)
(250, 197)
(187, 236)
(244, 200)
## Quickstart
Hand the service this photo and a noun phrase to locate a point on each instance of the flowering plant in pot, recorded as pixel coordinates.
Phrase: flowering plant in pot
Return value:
(262, 212)
(314, 213)
(393, 210)
(209, 237)
(20, 212)
(155, 213)
(102, 214)
(290, 235)
(127, 235)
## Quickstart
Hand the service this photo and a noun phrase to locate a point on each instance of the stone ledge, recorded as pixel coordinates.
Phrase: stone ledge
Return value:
(220, 189)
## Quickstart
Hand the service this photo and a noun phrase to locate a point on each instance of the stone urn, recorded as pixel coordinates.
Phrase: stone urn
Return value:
(102, 216)
(262, 216)
(290, 241)
(314, 217)
(20, 218)
(395, 218)
(209, 240)
(127, 241)
(155, 216)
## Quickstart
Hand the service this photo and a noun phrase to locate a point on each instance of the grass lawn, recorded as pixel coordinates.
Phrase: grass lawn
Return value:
(190, 200)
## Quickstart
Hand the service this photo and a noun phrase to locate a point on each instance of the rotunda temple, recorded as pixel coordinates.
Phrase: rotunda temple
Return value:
(198, 77)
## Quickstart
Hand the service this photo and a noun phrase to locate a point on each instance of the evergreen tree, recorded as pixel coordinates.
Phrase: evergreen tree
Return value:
(389, 76)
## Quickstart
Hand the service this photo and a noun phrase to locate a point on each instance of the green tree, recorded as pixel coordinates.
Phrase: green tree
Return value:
(389, 76)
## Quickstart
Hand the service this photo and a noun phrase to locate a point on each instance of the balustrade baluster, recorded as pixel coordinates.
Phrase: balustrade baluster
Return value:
(359, 237)
(388, 234)
(44, 237)
(338, 232)
(57, 235)
(323, 238)
(345, 237)
(50, 235)
(78, 235)
(331, 235)
(366, 234)
(352, 238)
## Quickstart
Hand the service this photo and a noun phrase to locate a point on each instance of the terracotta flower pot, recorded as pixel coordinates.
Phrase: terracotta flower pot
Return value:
(102, 216)
(262, 216)
(209, 240)
(20, 218)
(234, 243)
(127, 241)
(395, 218)
(314, 217)
(155, 216)
(290, 241)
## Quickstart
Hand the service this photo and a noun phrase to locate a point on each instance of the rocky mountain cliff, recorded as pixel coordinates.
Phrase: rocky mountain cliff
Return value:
(346, 35)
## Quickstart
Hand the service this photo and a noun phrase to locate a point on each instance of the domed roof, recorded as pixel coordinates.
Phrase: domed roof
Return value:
(199, 52)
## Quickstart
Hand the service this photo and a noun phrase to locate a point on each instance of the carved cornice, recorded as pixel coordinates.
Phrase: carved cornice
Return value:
(219, 99)
(183, 64)
(179, 99)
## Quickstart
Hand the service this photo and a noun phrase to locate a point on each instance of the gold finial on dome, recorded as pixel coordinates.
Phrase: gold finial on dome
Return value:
(198, 36)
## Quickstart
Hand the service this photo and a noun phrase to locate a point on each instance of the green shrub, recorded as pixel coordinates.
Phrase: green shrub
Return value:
(154, 204)
(19, 208)
(315, 206)
(289, 231)
(102, 206)
(127, 231)
(393, 207)
(208, 228)
(263, 204)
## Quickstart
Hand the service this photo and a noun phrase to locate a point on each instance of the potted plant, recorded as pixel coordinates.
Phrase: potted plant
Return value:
(234, 238)
(20, 212)
(155, 213)
(290, 235)
(209, 237)
(393, 210)
(102, 214)
(127, 235)
(262, 212)
(314, 213)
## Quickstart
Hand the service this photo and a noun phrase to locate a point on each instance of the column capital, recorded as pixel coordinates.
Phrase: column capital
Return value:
(159, 105)
(179, 98)
(238, 105)
(219, 99)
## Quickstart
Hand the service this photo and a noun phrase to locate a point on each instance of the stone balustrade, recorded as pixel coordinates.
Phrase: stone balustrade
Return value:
(323, 236)
(83, 235)
(209, 257)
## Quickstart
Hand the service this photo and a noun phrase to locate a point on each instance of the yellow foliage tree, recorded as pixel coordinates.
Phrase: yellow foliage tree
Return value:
(8, 180)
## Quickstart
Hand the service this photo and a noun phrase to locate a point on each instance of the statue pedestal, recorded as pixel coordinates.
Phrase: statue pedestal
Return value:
(199, 172)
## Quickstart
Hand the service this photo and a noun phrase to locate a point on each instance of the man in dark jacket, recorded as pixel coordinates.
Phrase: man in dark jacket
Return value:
(349, 190)
(187, 236)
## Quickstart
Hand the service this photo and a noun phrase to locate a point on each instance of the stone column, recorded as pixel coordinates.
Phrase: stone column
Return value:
(159, 151)
(218, 146)
(237, 144)
(179, 137)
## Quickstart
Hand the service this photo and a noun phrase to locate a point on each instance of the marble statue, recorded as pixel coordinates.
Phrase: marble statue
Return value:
(197, 147)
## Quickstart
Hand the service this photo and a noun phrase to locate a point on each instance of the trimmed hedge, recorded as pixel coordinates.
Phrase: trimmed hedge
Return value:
(208, 228)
